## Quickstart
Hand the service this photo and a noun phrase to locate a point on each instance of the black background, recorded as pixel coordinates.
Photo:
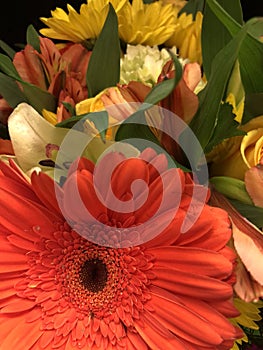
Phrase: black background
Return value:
(16, 15)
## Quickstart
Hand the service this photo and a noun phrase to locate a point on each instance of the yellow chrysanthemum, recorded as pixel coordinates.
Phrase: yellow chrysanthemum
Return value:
(249, 313)
(187, 37)
(139, 23)
(86, 24)
(147, 24)
(179, 4)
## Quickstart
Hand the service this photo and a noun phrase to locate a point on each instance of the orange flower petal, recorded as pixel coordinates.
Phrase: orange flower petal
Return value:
(6, 147)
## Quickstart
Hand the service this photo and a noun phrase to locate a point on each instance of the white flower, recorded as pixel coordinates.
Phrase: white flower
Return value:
(144, 63)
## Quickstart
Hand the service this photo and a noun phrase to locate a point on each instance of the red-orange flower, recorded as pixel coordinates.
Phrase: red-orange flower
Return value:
(61, 291)
(62, 72)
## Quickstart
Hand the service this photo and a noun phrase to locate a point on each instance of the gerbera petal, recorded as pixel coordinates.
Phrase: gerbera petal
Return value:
(201, 333)
(217, 232)
(17, 263)
(88, 195)
(23, 335)
(189, 284)
(13, 172)
(136, 341)
(18, 306)
(20, 242)
(154, 334)
(27, 213)
(208, 263)
(44, 188)
(66, 292)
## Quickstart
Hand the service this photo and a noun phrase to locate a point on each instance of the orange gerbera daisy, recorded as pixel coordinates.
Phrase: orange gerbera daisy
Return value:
(61, 291)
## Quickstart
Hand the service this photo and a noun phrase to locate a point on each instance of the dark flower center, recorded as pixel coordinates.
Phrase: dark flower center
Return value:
(94, 275)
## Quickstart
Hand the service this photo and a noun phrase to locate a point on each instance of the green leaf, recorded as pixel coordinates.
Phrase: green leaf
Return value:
(70, 108)
(32, 38)
(210, 99)
(10, 91)
(192, 7)
(135, 131)
(38, 98)
(251, 71)
(7, 49)
(226, 127)
(212, 27)
(100, 120)
(135, 127)
(165, 88)
(253, 107)
(256, 27)
(7, 67)
(104, 65)
(231, 188)
(251, 212)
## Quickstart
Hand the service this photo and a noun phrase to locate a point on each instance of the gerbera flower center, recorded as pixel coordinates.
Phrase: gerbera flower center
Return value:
(94, 275)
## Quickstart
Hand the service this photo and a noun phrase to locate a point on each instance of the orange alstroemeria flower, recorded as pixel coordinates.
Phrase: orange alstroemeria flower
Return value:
(62, 72)
(183, 102)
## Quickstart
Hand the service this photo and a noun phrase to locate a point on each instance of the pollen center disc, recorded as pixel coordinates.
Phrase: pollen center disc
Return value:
(94, 275)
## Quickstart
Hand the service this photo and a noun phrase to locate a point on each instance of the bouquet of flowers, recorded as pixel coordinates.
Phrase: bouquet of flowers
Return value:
(130, 177)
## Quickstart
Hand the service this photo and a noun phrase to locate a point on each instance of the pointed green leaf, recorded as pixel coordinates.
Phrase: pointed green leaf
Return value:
(7, 49)
(135, 127)
(10, 91)
(70, 108)
(251, 71)
(251, 212)
(32, 38)
(104, 65)
(193, 6)
(256, 27)
(134, 130)
(226, 127)
(100, 120)
(253, 107)
(38, 98)
(165, 88)
(205, 121)
(231, 188)
(7, 67)
(213, 28)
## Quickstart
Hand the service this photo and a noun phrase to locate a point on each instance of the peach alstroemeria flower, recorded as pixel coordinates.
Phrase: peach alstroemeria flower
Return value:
(247, 240)
(182, 102)
(254, 183)
(120, 102)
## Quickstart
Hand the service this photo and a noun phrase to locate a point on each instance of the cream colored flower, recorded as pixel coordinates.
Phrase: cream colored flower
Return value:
(143, 63)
